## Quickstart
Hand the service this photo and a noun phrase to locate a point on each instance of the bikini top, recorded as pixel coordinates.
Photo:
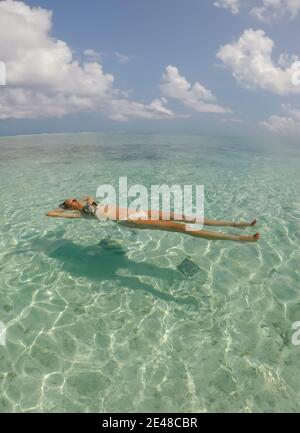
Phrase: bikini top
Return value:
(90, 209)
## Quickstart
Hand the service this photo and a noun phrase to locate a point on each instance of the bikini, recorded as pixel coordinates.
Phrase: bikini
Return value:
(90, 209)
(94, 210)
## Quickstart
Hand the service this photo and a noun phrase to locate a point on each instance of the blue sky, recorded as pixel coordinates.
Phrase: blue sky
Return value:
(134, 41)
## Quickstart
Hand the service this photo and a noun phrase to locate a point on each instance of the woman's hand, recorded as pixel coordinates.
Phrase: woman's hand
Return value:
(89, 199)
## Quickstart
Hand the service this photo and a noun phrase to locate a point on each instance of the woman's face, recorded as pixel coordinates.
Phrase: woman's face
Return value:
(73, 203)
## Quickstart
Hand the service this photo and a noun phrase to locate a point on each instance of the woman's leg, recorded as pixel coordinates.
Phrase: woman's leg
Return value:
(171, 216)
(216, 223)
(182, 228)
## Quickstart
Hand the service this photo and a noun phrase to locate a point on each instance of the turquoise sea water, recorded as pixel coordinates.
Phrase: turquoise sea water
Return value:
(98, 316)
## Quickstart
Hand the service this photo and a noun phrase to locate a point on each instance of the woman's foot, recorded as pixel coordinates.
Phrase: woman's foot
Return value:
(251, 238)
(242, 225)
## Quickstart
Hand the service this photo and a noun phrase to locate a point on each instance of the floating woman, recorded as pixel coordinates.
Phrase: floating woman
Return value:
(151, 220)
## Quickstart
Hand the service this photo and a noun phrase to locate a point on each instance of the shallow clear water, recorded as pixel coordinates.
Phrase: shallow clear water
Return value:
(96, 328)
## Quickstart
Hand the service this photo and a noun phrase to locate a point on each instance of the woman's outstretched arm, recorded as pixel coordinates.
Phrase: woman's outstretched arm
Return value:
(61, 213)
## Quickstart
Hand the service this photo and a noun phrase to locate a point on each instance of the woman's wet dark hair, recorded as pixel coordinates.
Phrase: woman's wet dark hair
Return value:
(63, 205)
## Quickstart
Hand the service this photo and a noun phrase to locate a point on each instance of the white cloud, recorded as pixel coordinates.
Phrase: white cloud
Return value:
(92, 54)
(271, 9)
(197, 97)
(123, 58)
(266, 10)
(250, 61)
(123, 109)
(18, 103)
(232, 5)
(284, 125)
(44, 79)
(231, 120)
